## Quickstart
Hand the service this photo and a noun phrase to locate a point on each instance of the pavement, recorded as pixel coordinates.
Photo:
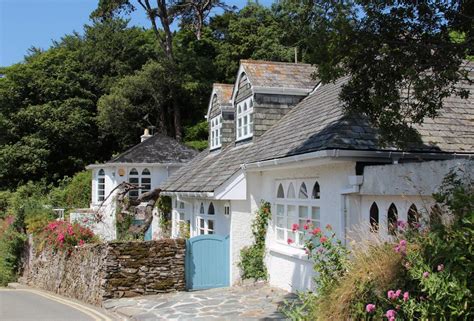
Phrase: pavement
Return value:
(26, 304)
(259, 302)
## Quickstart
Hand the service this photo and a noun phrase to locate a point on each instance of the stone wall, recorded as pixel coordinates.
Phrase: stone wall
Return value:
(94, 273)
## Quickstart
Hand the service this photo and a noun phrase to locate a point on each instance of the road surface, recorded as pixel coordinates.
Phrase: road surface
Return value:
(34, 305)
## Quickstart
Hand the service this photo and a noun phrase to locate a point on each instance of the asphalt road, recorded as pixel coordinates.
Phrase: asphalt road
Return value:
(32, 305)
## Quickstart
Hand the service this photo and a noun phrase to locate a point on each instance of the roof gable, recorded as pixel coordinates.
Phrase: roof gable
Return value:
(220, 97)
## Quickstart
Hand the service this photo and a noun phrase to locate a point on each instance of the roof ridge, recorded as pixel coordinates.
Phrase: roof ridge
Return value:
(274, 62)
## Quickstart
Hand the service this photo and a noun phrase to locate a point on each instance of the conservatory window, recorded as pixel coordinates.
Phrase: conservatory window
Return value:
(291, 210)
(216, 132)
(101, 185)
(374, 218)
(245, 119)
(392, 218)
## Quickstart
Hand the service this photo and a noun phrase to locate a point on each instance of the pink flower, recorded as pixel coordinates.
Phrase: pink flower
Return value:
(370, 308)
(85, 220)
(295, 227)
(306, 226)
(60, 237)
(289, 241)
(329, 227)
(406, 296)
(69, 230)
(391, 295)
(316, 231)
(440, 267)
(397, 293)
(426, 274)
(323, 239)
(391, 314)
(403, 243)
(81, 242)
(401, 225)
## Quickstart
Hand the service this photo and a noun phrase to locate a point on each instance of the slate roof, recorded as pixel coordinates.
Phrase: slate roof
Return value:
(224, 93)
(156, 149)
(322, 125)
(279, 74)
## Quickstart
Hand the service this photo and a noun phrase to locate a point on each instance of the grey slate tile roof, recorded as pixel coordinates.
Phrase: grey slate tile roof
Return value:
(279, 74)
(319, 123)
(156, 149)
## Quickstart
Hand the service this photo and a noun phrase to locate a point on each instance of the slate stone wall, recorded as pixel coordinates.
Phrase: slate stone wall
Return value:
(269, 109)
(94, 273)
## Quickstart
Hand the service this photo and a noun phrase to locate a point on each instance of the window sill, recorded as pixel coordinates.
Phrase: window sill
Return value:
(292, 252)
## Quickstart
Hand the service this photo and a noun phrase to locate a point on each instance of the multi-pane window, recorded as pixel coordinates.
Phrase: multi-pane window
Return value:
(179, 218)
(101, 185)
(216, 132)
(298, 209)
(245, 119)
(142, 181)
(133, 178)
(205, 220)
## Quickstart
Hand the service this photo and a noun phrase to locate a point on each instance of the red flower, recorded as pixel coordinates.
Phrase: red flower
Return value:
(306, 226)
(323, 239)
(295, 227)
(316, 231)
(81, 242)
(289, 241)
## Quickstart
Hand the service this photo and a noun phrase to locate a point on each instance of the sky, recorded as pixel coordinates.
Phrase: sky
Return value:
(28, 23)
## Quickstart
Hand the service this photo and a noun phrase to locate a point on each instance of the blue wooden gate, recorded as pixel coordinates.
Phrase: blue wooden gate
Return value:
(207, 262)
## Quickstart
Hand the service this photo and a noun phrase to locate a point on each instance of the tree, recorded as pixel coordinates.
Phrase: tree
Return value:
(161, 16)
(400, 56)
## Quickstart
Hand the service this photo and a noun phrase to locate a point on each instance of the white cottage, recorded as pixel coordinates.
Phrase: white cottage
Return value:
(146, 164)
(281, 136)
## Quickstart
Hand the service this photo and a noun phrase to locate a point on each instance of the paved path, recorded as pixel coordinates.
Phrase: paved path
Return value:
(236, 303)
(32, 305)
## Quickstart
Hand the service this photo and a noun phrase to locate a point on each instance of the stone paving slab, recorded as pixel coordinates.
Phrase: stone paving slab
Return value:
(256, 302)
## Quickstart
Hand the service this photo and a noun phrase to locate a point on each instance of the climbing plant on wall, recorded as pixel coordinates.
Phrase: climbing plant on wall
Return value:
(252, 257)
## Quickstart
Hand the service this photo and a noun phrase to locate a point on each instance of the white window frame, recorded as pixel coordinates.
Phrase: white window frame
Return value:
(178, 217)
(216, 132)
(205, 218)
(140, 179)
(288, 212)
(100, 185)
(244, 119)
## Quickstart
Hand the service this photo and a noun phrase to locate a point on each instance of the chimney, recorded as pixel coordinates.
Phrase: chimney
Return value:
(146, 135)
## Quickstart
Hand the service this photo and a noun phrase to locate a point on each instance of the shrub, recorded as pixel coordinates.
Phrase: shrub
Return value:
(62, 235)
(252, 257)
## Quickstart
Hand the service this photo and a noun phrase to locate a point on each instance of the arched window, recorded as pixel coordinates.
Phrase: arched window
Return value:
(291, 191)
(101, 185)
(201, 210)
(392, 218)
(316, 191)
(210, 210)
(280, 192)
(374, 218)
(133, 179)
(303, 191)
(145, 181)
(413, 217)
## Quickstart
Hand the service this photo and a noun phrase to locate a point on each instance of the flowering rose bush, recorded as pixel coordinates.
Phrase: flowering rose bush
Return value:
(62, 235)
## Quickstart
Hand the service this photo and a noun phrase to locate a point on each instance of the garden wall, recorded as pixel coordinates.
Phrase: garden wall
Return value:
(94, 273)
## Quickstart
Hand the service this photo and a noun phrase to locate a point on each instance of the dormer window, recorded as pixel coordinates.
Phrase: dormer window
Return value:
(245, 119)
(216, 132)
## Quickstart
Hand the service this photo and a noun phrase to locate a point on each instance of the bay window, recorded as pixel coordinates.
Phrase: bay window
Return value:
(296, 210)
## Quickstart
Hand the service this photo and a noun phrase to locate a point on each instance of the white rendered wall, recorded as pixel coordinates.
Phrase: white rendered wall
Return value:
(288, 266)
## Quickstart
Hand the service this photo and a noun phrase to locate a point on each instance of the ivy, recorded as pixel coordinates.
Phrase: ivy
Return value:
(252, 257)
